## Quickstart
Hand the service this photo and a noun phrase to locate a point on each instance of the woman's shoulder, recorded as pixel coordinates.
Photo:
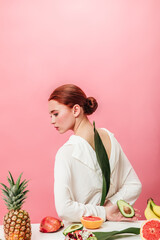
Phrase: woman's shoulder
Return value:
(64, 148)
(105, 131)
(76, 148)
(68, 147)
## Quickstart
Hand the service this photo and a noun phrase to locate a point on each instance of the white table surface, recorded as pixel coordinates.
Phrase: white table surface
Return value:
(106, 227)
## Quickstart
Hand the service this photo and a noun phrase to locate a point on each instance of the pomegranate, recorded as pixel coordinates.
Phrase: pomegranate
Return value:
(50, 224)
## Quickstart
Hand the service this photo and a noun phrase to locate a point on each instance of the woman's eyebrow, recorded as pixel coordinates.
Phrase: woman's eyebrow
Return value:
(53, 111)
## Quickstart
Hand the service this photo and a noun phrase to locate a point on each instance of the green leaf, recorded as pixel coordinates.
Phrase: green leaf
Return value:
(20, 195)
(10, 182)
(104, 191)
(23, 185)
(19, 201)
(10, 193)
(14, 190)
(18, 181)
(8, 201)
(10, 206)
(25, 192)
(5, 193)
(103, 161)
(7, 189)
(107, 235)
(11, 178)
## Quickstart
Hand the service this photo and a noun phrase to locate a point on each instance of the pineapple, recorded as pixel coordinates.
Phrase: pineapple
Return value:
(17, 224)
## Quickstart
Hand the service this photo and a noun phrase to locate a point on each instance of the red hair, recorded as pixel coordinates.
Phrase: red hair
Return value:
(70, 94)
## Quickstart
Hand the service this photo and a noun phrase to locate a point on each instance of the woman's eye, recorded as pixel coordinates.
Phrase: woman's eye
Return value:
(55, 114)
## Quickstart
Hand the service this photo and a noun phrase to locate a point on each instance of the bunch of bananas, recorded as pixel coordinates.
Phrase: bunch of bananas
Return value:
(152, 210)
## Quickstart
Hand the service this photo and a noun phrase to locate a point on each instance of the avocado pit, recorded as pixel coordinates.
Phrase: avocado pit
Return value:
(127, 210)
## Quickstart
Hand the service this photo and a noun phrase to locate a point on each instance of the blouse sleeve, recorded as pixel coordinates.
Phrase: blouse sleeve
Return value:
(126, 180)
(67, 208)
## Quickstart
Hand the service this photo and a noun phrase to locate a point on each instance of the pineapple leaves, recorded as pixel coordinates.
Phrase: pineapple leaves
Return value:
(23, 185)
(12, 181)
(18, 181)
(5, 187)
(5, 193)
(7, 200)
(103, 161)
(14, 195)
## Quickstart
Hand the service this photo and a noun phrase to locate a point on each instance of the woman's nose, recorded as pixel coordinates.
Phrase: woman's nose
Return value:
(53, 120)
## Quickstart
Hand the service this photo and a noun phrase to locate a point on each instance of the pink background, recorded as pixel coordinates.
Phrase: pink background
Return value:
(111, 49)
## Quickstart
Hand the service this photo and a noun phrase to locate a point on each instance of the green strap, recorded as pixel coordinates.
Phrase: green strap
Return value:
(103, 161)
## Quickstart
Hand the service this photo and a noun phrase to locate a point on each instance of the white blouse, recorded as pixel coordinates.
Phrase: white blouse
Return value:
(78, 179)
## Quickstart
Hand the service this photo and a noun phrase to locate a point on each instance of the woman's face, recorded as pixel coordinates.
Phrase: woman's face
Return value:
(62, 117)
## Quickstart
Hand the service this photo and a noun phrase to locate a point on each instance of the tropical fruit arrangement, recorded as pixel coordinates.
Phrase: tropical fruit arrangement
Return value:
(152, 210)
(76, 231)
(17, 224)
(17, 221)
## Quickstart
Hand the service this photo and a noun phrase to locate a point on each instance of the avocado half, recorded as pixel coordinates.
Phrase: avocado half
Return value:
(125, 208)
(72, 228)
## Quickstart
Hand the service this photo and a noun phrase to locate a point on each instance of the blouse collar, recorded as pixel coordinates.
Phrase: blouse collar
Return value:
(86, 154)
(83, 152)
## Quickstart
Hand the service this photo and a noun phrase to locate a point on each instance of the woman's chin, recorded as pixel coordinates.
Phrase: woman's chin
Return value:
(61, 131)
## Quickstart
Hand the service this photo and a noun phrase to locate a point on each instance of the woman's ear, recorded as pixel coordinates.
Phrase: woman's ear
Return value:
(76, 110)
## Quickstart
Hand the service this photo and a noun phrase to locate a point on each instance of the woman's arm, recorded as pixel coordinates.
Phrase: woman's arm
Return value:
(123, 177)
(126, 180)
(66, 205)
(128, 184)
(113, 213)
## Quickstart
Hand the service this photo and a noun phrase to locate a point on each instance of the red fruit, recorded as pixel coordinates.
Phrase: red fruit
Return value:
(50, 224)
(77, 232)
(92, 218)
(150, 229)
(91, 222)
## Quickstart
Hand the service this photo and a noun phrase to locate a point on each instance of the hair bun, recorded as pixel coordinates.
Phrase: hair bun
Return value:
(90, 105)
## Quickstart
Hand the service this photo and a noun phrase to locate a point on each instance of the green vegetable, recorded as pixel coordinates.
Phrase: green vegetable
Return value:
(107, 235)
(103, 161)
(72, 228)
(125, 208)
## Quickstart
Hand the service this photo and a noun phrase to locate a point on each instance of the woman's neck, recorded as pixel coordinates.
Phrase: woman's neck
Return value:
(84, 129)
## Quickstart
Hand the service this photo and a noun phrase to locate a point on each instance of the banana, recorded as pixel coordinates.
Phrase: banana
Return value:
(149, 214)
(156, 208)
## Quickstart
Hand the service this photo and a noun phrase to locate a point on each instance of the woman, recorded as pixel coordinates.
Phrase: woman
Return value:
(78, 177)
